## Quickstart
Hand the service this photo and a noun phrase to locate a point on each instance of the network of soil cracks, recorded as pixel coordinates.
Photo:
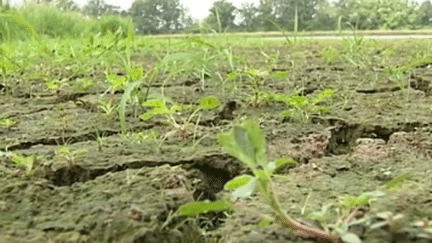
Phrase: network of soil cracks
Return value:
(109, 187)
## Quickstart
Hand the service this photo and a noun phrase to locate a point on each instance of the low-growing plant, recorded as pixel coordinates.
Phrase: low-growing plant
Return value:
(52, 85)
(301, 107)
(273, 58)
(107, 108)
(139, 136)
(27, 162)
(64, 153)
(8, 122)
(100, 140)
(398, 75)
(353, 49)
(351, 209)
(330, 55)
(247, 144)
(83, 84)
(256, 80)
(159, 107)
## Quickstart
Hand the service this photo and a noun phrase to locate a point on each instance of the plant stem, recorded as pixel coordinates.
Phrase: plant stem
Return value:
(288, 222)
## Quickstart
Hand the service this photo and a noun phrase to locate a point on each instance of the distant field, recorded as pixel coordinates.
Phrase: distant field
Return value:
(309, 33)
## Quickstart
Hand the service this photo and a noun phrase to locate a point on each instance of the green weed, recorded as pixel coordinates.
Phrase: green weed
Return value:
(302, 107)
(159, 107)
(64, 153)
(256, 80)
(8, 122)
(247, 144)
(330, 55)
(27, 162)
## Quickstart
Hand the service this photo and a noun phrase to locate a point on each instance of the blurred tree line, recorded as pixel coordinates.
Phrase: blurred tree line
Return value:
(167, 16)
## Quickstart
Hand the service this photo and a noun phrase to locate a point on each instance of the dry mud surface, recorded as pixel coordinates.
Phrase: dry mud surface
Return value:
(126, 188)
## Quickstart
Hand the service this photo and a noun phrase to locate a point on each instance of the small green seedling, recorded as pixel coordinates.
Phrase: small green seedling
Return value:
(139, 137)
(159, 107)
(63, 152)
(247, 144)
(399, 76)
(8, 122)
(115, 83)
(83, 84)
(25, 161)
(256, 81)
(302, 106)
(52, 85)
(107, 108)
(330, 55)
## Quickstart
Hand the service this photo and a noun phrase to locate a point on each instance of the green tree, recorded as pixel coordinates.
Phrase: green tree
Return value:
(159, 16)
(98, 8)
(266, 14)
(425, 13)
(326, 17)
(248, 14)
(66, 5)
(223, 13)
(282, 12)
(373, 14)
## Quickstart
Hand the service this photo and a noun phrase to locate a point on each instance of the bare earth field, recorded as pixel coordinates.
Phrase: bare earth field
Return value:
(68, 174)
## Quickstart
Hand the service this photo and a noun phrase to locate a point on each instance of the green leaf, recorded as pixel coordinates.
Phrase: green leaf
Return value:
(280, 74)
(253, 72)
(349, 201)
(175, 108)
(256, 137)
(263, 223)
(243, 143)
(238, 181)
(136, 73)
(246, 190)
(122, 107)
(262, 73)
(322, 109)
(228, 143)
(232, 75)
(283, 160)
(351, 238)
(147, 115)
(195, 208)
(161, 110)
(160, 96)
(118, 82)
(63, 150)
(278, 162)
(395, 182)
(209, 102)
(261, 174)
(246, 143)
(324, 94)
(154, 103)
(297, 101)
(287, 112)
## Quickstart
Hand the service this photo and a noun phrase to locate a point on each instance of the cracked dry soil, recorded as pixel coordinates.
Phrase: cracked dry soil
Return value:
(127, 189)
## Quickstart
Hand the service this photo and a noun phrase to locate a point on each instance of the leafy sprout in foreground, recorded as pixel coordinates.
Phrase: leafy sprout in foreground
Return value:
(247, 143)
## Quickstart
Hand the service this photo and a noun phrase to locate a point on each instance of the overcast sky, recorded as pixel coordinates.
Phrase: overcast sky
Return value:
(198, 8)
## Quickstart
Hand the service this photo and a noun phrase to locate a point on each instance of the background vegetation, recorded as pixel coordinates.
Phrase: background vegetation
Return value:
(64, 18)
